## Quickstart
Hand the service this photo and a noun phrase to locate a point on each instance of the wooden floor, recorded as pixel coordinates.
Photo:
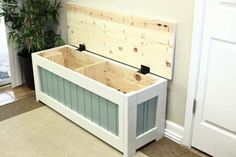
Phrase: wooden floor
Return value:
(8, 95)
(167, 148)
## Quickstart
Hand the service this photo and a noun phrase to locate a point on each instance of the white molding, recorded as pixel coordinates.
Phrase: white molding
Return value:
(174, 131)
(198, 23)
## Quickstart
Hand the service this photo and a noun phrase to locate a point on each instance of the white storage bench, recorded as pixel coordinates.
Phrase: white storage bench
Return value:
(111, 100)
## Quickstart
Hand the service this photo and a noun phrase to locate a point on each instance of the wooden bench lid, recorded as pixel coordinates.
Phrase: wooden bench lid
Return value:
(131, 40)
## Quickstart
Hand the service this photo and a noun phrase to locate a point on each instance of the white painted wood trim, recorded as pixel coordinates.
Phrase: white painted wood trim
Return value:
(147, 137)
(150, 92)
(130, 123)
(37, 80)
(161, 110)
(174, 131)
(199, 12)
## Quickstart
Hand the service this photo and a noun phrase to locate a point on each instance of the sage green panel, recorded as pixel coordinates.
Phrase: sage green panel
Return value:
(43, 80)
(112, 118)
(146, 116)
(151, 113)
(61, 90)
(40, 78)
(140, 119)
(74, 97)
(49, 83)
(67, 93)
(88, 104)
(55, 87)
(81, 107)
(103, 113)
(95, 109)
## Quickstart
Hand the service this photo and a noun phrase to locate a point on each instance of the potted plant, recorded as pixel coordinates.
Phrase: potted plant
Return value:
(33, 26)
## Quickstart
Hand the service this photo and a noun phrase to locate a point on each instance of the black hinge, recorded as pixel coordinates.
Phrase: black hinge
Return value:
(194, 105)
(82, 47)
(144, 69)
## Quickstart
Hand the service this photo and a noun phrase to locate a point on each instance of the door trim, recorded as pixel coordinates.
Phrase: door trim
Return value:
(16, 74)
(197, 35)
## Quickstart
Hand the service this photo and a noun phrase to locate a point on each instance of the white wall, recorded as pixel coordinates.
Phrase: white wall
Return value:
(180, 11)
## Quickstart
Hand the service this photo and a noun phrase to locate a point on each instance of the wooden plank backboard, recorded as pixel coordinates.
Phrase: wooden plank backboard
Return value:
(131, 40)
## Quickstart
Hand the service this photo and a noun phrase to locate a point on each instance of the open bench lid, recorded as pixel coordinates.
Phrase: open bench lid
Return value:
(131, 40)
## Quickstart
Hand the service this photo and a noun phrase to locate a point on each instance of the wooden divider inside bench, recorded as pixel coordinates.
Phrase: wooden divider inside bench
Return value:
(117, 77)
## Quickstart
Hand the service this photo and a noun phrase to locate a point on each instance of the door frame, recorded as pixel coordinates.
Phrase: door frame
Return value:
(16, 78)
(196, 50)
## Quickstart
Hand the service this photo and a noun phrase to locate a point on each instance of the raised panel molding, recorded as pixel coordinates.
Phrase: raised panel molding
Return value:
(174, 131)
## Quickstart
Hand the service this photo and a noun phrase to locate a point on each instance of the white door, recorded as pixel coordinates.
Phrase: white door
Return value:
(214, 129)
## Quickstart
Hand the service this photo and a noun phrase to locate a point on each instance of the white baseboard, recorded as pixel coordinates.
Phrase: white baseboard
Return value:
(174, 131)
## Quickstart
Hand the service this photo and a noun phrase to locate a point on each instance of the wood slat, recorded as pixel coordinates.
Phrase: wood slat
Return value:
(43, 81)
(140, 119)
(95, 109)
(61, 90)
(67, 93)
(146, 116)
(74, 95)
(55, 87)
(49, 83)
(103, 113)
(88, 104)
(151, 116)
(81, 101)
(112, 117)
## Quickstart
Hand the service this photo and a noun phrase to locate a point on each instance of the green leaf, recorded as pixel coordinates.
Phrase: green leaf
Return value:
(29, 24)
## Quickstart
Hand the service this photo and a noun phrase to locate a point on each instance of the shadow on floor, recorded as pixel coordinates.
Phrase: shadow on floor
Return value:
(167, 148)
(18, 107)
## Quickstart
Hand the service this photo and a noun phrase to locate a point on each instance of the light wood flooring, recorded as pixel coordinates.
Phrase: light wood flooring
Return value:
(9, 94)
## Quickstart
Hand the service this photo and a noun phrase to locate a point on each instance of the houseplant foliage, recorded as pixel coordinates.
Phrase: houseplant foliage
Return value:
(33, 26)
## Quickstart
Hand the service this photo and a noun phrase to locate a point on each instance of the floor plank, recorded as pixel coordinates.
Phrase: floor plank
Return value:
(167, 148)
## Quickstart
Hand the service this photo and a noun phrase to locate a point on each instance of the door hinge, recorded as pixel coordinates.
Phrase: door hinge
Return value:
(194, 105)
(144, 69)
(82, 47)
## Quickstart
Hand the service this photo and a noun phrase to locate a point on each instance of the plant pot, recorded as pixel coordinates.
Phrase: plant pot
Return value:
(27, 70)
